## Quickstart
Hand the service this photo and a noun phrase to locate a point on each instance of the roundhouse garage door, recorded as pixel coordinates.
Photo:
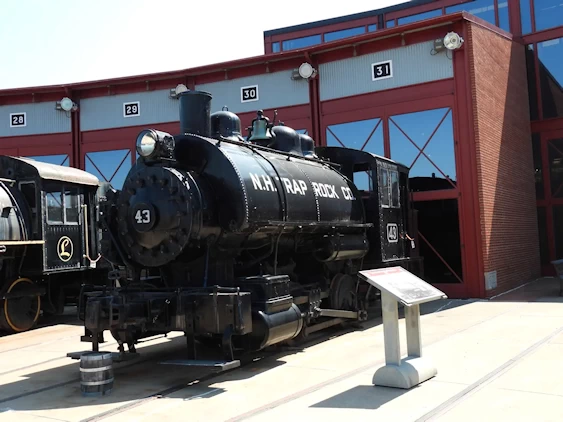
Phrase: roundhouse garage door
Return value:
(109, 166)
(424, 141)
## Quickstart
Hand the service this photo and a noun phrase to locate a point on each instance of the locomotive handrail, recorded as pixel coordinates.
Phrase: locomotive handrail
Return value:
(87, 239)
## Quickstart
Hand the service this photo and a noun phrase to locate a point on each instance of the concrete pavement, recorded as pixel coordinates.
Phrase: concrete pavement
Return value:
(497, 360)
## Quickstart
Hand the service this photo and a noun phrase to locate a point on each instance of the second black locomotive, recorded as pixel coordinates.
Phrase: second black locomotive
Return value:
(245, 243)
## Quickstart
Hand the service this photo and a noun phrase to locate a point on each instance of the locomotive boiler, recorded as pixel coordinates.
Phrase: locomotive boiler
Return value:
(244, 243)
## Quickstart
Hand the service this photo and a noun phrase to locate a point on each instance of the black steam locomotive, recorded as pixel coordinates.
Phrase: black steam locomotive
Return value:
(244, 243)
(49, 239)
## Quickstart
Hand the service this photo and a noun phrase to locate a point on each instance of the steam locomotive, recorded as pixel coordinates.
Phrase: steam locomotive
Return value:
(244, 243)
(49, 242)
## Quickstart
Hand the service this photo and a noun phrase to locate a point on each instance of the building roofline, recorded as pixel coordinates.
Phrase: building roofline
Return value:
(340, 19)
(306, 52)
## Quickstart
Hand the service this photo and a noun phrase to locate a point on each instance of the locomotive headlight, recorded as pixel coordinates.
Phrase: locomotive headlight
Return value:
(151, 143)
(146, 143)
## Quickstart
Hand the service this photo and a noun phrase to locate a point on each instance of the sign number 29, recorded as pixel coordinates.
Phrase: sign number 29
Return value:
(131, 109)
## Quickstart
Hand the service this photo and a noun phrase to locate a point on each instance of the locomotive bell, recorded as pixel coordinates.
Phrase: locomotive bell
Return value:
(261, 129)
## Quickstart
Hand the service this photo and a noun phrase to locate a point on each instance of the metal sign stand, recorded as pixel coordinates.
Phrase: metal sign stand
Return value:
(398, 285)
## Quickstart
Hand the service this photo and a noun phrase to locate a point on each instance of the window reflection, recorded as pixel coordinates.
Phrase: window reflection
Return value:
(526, 17)
(550, 55)
(432, 132)
(532, 85)
(366, 135)
(301, 42)
(484, 9)
(538, 168)
(555, 156)
(59, 160)
(419, 16)
(54, 206)
(345, 33)
(548, 14)
(372, 27)
(503, 15)
(276, 47)
(109, 166)
(390, 24)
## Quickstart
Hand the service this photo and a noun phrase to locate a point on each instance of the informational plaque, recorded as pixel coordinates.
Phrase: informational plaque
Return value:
(398, 285)
(404, 286)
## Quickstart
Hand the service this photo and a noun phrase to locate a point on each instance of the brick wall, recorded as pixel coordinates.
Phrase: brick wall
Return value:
(504, 159)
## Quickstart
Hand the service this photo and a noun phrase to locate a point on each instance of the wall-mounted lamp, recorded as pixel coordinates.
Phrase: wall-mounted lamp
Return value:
(175, 92)
(66, 104)
(305, 71)
(452, 41)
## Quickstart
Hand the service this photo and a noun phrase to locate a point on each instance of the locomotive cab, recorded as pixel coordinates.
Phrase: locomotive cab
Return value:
(383, 185)
(48, 232)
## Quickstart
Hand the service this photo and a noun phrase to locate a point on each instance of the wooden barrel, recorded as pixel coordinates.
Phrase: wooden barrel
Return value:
(96, 373)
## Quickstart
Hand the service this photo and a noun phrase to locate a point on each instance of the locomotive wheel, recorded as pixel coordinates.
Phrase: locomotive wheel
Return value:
(19, 314)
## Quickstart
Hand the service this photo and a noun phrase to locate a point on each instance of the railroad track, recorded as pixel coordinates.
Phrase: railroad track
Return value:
(196, 375)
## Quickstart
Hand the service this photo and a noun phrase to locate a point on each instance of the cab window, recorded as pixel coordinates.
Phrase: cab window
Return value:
(63, 205)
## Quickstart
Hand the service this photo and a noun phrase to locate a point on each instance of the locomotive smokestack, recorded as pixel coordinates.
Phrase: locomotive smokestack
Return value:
(195, 112)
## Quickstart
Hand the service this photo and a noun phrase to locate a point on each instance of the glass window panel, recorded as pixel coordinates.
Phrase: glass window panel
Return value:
(303, 131)
(555, 157)
(532, 85)
(503, 15)
(345, 33)
(109, 166)
(550, 55)
(59, 160)
(355, 134)
(542, 228)
(419, 17)
(372, 27)
(394, 179)
(548, 14)
(558, 229)
(363, 180)
(276, 47)
(71, 205)
(526, 17)
(384, 187)
(54, 207)
(390, 24)
(538, 168)
(301, 42)
(425, 175)
(484, 9)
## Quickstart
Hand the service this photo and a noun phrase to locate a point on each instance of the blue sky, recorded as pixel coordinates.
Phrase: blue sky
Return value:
(46, 42)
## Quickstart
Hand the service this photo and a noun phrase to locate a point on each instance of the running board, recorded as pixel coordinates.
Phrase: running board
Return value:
(220, 366)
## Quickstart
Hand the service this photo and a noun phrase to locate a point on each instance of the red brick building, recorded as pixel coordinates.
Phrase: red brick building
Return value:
(481, 126)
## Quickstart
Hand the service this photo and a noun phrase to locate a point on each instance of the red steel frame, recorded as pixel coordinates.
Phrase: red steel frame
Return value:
(513, 16)
(47, 144)
(548, 129)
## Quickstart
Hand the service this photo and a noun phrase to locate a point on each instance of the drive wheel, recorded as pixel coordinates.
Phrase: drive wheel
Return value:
(19, 314)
